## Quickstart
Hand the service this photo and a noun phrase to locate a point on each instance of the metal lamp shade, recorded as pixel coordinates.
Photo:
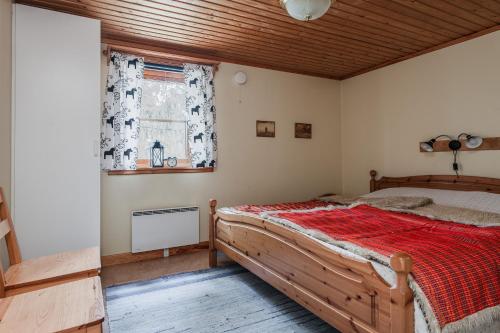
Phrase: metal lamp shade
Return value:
(428, 145)
(473, 142)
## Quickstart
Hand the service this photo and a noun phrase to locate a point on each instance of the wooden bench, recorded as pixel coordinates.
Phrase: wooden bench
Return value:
(69, 307)
(23, 276)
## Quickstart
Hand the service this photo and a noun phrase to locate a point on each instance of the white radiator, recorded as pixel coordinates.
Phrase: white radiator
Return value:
(165, 228)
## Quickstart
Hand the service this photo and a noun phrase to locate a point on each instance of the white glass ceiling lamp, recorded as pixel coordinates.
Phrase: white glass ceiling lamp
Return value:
(306, 10)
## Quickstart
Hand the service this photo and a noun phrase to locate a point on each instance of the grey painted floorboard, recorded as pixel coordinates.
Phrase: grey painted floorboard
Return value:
(227, 299)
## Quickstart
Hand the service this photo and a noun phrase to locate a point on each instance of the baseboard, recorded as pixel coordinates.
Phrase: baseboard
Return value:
(129, 257)
(188, 248)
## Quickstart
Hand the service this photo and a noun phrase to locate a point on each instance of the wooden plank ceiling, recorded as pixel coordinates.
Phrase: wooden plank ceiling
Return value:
(354, 37)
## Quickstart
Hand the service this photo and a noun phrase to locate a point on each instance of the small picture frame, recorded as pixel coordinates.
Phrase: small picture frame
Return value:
(266, 129)
(303, 131)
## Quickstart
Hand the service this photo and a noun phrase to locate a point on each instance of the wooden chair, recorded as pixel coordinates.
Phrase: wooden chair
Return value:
(23, 276)
(75, 306)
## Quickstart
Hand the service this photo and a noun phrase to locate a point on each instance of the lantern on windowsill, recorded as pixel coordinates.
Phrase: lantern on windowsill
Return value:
(157, 154)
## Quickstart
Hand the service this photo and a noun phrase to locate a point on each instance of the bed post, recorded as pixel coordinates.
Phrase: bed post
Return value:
(401, 309)
(373, 181)
(212, 251)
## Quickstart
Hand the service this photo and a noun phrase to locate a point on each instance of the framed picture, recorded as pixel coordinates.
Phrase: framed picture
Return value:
(303, 131)
(266, 129)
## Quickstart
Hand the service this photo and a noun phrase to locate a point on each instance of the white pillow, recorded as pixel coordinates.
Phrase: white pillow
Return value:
(483, 201)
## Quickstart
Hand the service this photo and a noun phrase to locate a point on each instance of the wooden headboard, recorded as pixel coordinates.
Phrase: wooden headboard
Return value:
(457, 183)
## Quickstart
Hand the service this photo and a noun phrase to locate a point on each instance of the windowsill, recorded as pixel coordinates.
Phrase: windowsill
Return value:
(145, 171)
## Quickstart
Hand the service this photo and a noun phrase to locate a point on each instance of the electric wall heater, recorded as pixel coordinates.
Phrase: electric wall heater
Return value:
(165, 228)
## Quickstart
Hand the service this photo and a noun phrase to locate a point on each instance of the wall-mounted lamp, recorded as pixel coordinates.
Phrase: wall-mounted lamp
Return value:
(471, 142)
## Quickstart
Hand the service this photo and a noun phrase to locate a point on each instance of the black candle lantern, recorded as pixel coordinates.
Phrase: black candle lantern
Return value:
(157, 155)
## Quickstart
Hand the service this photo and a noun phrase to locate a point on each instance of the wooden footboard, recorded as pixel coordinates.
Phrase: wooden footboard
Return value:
(347, 293)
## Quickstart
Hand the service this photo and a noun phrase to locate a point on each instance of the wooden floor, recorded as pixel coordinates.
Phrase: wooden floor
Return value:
(151, 269)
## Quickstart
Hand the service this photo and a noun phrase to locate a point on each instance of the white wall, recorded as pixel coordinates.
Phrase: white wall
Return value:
(56, 128)
(5, 93)
(250, 169)
(5, 99)
(387, 112)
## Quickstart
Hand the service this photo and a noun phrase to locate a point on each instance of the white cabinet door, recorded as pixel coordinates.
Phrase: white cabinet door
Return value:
(56, 177)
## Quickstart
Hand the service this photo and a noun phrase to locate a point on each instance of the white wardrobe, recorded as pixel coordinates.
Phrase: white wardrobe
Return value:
(56, 106)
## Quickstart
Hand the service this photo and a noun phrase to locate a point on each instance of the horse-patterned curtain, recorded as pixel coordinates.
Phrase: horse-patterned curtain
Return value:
(120, 116)
(200, 107)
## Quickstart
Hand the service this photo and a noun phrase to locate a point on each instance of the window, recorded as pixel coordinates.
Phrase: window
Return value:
(163, 115)
(190, 137)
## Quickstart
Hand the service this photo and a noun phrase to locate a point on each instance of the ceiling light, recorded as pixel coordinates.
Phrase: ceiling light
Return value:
(306, 10)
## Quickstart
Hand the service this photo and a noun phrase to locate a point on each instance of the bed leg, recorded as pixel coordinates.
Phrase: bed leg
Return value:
(401, 309)
(212, 251)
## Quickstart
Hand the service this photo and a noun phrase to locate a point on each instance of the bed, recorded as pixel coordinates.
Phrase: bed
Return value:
(352, 292)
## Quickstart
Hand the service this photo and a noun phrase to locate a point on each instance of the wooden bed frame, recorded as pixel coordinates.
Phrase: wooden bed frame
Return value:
(347, 293)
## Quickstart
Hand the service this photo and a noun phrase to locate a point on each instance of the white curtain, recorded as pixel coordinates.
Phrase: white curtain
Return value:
(200, 107)
(121, 110)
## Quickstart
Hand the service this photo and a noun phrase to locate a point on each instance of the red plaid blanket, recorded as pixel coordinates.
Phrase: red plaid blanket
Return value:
(457, 266)
(256, 209)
